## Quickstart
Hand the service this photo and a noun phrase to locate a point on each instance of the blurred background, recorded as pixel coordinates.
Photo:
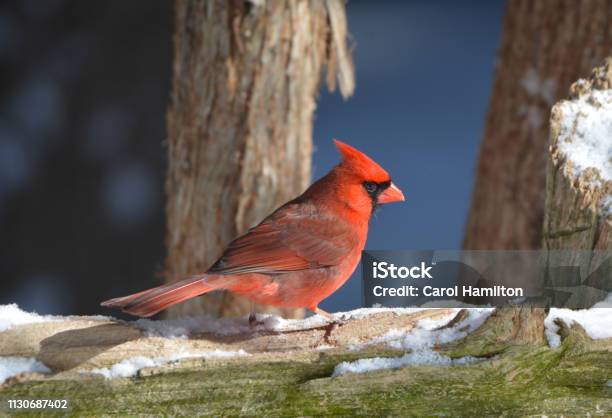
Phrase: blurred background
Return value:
(84, 88)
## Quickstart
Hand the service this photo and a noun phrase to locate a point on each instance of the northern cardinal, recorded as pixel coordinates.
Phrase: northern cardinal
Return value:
(297, 256)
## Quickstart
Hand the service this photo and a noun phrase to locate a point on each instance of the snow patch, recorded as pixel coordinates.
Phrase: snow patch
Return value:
(414, 358)
(182, 328)
(596, 321)
(429, 333)
(11, 315)
(420, 340)
(606, 303)
(12, 366)
(275, 323)
(364, 312)
(585, 136)
(129, 367)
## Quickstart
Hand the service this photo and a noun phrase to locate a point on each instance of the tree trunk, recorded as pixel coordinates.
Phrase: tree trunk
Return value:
(246, 75)
(545, 46)
(579, 197)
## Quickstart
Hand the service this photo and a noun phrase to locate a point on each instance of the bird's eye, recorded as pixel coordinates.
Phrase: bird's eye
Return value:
(370, 186)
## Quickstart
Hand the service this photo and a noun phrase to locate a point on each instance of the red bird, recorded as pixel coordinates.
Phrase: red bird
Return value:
(297, 256)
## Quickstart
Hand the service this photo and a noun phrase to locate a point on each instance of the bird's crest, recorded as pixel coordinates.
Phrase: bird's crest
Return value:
(360, 164)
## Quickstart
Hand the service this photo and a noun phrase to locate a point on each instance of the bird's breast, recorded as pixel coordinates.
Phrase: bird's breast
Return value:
(307, 288)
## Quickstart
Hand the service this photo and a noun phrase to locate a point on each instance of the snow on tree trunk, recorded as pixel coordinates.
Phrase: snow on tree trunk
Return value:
(578, 212)
(545, 46)
(246, 75)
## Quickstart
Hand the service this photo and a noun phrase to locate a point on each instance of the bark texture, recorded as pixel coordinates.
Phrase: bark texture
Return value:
(76, 345)
(545, 46)
(578, 214)
(246, 76)
(516, 374)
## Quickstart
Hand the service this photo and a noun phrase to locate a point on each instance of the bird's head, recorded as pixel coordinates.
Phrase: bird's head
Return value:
(365, 184)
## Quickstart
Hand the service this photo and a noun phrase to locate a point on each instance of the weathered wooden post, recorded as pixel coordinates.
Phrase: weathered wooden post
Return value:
(578, 211)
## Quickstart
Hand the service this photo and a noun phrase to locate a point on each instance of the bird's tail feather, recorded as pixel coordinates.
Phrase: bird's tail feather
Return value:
(151, 301)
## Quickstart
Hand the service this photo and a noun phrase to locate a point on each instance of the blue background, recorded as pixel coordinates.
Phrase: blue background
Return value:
(83, 91)
(424, 74)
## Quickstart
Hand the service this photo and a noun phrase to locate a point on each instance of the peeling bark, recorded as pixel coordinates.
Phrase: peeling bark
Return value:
(246, 75)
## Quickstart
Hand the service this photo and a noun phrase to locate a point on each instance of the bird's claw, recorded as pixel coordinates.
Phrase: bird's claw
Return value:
(331, 326)
(345, 317)
(254, 322)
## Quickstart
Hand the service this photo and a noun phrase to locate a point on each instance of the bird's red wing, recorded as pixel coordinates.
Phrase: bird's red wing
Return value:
(295, 237)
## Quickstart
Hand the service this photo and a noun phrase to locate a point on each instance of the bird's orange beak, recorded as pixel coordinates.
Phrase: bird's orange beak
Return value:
(391, 194)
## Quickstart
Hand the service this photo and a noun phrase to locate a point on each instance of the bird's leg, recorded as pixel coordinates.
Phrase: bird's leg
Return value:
(253, 322)
(329, 327)
(332, 324)
(324, 314)
(330, 317)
